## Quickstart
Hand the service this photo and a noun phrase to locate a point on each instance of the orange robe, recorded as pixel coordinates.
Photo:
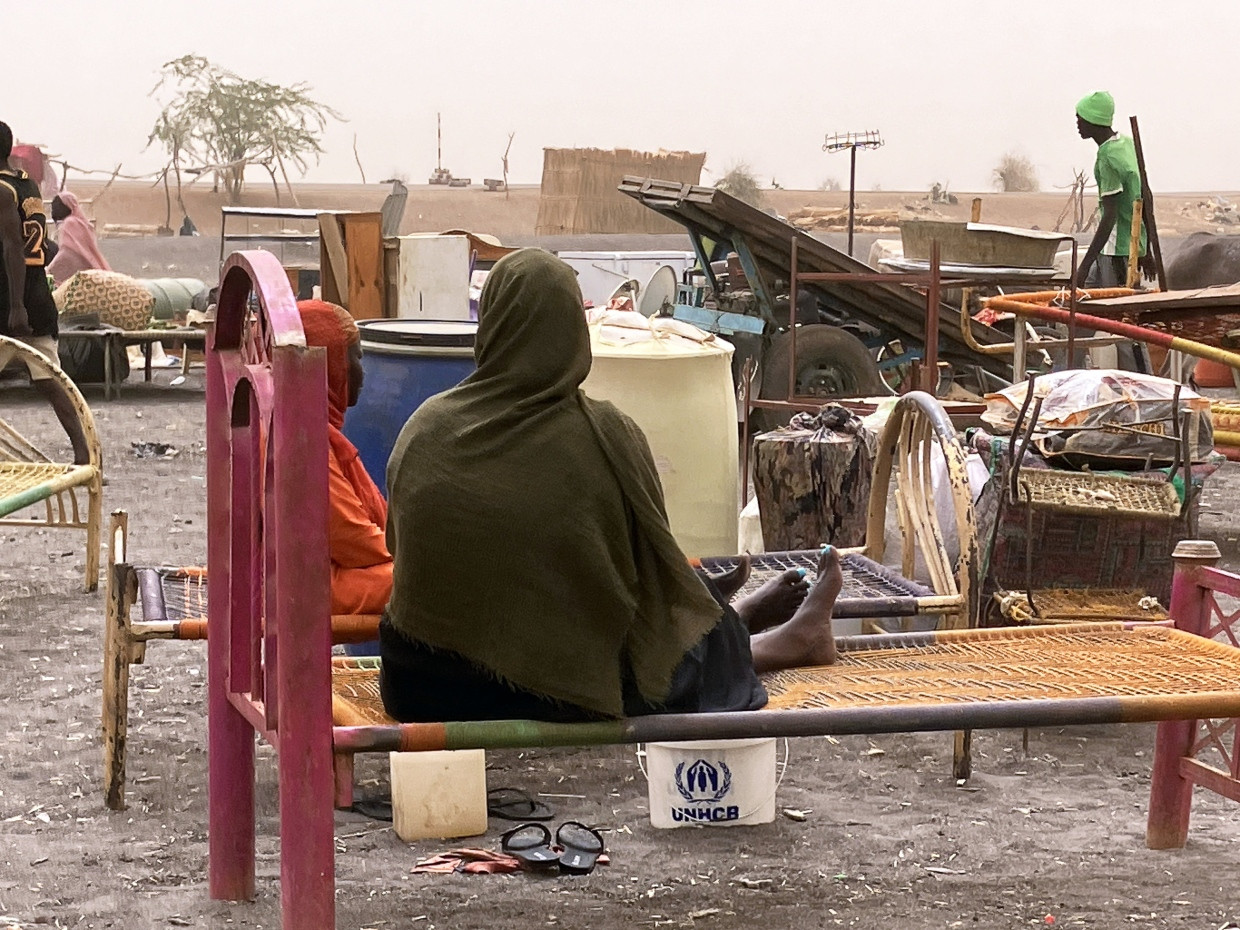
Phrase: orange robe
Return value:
(361, 563)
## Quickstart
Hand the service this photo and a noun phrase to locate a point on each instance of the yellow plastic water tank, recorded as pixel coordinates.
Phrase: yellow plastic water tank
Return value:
(679, 391)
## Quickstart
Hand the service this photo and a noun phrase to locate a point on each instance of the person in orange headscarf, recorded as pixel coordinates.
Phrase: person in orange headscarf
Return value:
(361, 563)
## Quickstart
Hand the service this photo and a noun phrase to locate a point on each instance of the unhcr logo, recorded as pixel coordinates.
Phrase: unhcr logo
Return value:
(703, 786)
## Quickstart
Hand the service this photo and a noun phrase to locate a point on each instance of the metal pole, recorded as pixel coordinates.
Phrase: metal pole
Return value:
(1072, 310)
(852, 194)
(930, 372)
(792, 323)
(746, 399)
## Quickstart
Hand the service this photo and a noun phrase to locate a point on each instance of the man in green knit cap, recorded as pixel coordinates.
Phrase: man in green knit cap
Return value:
(1119, 185)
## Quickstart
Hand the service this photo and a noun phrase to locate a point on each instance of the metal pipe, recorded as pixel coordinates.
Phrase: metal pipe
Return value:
(1127, 330)
(747, 379)
(852, 194)
(1072, 310)
(792, 323)
(930, 373)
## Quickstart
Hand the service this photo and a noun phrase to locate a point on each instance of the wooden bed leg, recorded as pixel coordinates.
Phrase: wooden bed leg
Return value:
(962, 756)
(1171, 794)
(94, 528)
(342, 766)
(117, 654)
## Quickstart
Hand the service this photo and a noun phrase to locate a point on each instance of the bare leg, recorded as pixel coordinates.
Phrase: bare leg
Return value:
(775, 602)
(56, 396)
(806, 639)
(729, 583)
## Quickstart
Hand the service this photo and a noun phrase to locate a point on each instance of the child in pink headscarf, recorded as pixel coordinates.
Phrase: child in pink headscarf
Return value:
(79, 249)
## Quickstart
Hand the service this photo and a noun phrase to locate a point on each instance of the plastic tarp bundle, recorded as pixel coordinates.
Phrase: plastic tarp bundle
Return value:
(620, 328)
(173, 296)
(1108, 414)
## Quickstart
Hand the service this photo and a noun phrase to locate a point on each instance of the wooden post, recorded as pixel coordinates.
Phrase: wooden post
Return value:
(1134, 245)
(1171, 794)
(121, 587)
(1147, 199)
(333, 261)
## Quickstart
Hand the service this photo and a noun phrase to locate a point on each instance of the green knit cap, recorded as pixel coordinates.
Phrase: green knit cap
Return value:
(1098, 108)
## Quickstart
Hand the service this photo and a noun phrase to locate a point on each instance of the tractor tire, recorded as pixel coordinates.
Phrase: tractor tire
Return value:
(831, 363)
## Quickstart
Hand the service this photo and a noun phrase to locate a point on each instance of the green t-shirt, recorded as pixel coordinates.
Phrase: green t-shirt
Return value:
(1116, 172)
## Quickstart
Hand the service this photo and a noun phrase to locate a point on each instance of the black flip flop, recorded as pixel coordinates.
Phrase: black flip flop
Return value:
(515, 804)
(582, 846)
(530, 844)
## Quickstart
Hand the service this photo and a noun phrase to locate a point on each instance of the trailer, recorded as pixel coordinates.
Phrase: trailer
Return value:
(847, 331)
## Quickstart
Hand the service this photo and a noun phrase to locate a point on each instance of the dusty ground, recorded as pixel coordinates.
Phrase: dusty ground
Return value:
(890, 842)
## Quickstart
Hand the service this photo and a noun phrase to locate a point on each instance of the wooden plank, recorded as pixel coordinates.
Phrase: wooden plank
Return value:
(363, 242)
(333, 260)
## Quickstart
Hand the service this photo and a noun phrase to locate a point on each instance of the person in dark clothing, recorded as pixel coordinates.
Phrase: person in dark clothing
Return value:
(534, 573)
(27, 311)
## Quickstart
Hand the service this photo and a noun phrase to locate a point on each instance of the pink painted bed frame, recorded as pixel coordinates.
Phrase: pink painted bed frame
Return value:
(268, 556)
(1195, 609)
(269, 650)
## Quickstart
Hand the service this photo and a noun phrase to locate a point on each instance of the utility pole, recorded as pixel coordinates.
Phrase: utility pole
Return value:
(838, 142)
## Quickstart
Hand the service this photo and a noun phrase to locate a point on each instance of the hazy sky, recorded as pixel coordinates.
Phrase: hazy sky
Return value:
(951, 85)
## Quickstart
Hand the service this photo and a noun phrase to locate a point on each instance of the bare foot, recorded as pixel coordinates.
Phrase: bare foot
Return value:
(730, 582)
(806, 639)
(775, 602)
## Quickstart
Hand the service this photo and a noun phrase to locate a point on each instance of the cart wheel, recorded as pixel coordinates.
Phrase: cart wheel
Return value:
(831, 362)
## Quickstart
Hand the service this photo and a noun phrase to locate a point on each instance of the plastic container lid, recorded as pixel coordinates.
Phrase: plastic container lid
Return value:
(444, 333)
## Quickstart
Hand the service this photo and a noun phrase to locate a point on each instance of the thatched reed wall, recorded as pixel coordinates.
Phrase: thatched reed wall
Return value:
(579, 190)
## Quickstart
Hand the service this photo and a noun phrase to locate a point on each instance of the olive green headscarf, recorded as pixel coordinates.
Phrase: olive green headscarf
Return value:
(527, 521)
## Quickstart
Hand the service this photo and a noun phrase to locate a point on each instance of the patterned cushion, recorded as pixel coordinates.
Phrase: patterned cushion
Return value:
(118, 299)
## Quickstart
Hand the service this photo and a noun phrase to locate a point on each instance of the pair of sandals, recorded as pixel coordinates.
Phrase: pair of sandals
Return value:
(576, 849)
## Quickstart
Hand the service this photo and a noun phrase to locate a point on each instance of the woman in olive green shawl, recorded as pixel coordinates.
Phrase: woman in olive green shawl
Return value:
(535, 574)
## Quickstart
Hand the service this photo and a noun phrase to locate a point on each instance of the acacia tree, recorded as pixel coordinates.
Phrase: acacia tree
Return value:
(223, 123)
(741, 183)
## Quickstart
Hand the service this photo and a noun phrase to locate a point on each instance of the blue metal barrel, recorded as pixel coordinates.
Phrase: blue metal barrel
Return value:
(406, 361)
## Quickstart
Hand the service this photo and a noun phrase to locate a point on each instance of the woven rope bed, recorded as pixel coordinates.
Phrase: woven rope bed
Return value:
(1155, 666)
(38, 493)
(20, 481)
(1070, 492)
(179, 595)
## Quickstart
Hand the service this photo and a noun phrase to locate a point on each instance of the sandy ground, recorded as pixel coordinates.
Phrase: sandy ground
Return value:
(890, 840)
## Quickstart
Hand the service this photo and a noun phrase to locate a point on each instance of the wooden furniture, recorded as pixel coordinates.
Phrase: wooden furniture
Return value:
(173, 603)
(350, 249)
(191, 336)
(1204, 751)
(351, 262)
(53, 494)
(271, 671)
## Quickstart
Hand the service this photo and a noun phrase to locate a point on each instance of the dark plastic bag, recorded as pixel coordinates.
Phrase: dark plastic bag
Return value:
(83, 359)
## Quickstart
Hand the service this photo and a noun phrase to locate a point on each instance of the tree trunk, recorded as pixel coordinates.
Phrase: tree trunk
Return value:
(813, 487)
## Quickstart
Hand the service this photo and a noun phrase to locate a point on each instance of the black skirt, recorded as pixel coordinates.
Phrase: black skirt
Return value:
(422, 684)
